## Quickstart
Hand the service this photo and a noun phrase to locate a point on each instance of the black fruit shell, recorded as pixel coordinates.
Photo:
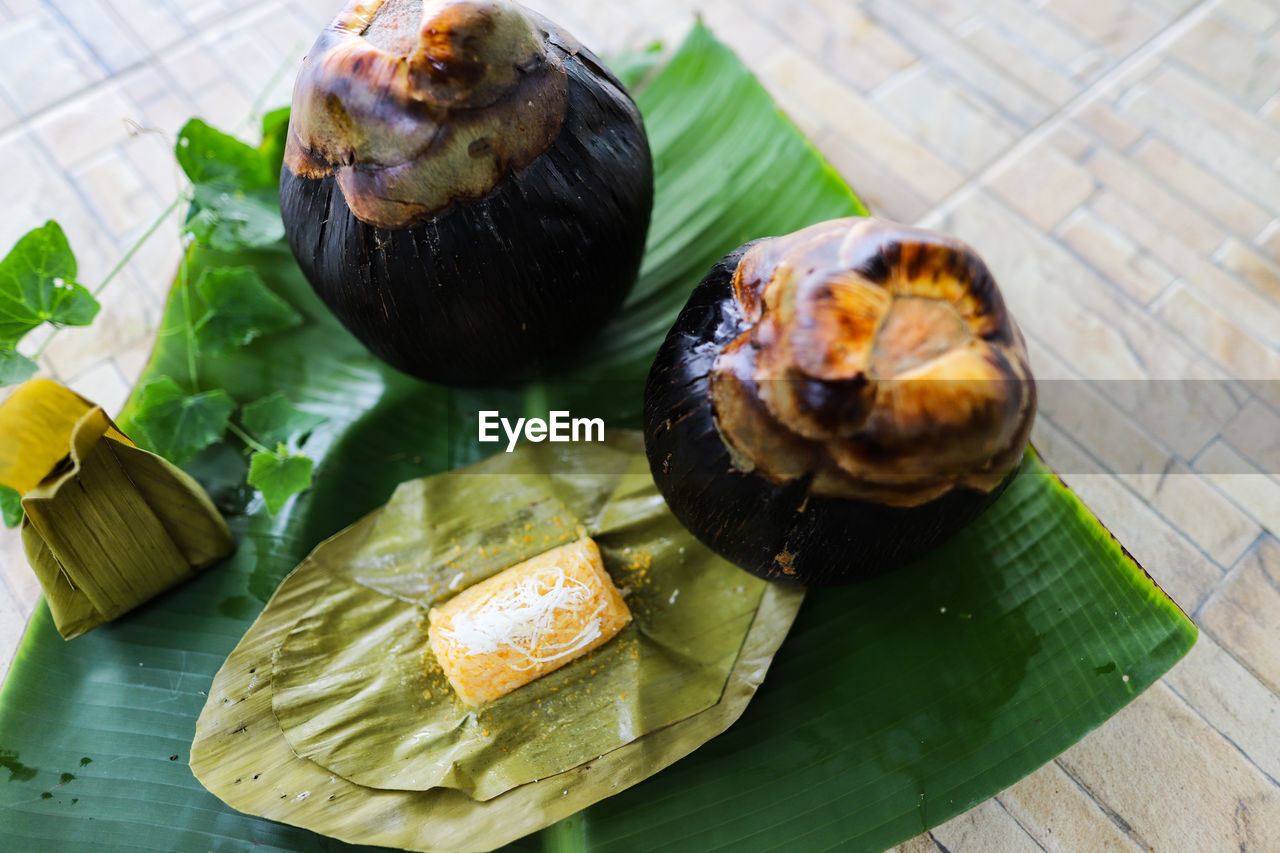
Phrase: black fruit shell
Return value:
(775, 531)
(506, 287)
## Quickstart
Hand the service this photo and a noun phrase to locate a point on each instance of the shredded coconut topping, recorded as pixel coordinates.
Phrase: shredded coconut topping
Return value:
(523, 616)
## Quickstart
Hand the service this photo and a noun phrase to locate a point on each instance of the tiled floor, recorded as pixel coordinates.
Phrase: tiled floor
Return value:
(1117, 162)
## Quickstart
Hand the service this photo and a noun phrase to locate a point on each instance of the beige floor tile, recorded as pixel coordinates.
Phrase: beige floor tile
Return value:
(1230, 58)
(1232, 700)
(984, 827)
(931, 40)
(151, 23)
(919, 844)
(1255, 433)
(225, 106)
(860, 51)
(1262, 272)
(1244, 614)
(1230, 295)
(88, 125)
(1236, 213)
(1116, 256)
(1221, 339)
(1044, 35)
(1105, 432)
(1042, 185)
(1116, 27)
(1069, 139)
(1112, 127)
(1177, 218)
(42, 63)
(1255, 492)
(119, 193)
(799, 80)
(1253, 15)
(100, 28)
(8, 116)
(191, 67)
(1269, 240)
(1209, 146)
(1223, 802)
(1217, 109)
(1061, 816)
(104, 385)
(1220, 528)
(1026, 63)
(953, 125)
(883, 193)
(263, 68)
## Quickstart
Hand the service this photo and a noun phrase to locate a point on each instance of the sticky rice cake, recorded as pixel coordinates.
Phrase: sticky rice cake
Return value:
(526, 621)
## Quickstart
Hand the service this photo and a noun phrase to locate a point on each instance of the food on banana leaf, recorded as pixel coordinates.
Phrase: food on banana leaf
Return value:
(106, 525)
(465, 185)
(837, 402)
(530, 619)
(324, 716)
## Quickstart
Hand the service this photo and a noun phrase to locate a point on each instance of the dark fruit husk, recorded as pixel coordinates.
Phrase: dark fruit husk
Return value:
(481, 284)
(802, 529)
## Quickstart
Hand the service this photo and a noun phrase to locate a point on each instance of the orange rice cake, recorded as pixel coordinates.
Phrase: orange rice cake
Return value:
(526, 621)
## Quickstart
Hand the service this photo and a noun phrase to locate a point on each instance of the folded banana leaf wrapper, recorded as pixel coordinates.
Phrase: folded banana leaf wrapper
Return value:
(891, 707)
(106, 525)
(330, 715)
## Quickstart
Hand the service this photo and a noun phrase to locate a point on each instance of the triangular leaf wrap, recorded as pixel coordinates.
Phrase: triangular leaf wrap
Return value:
(107, 525)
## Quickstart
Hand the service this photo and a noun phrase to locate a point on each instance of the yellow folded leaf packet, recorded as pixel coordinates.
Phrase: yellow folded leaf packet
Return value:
(376, 699)
(106, 524)
(529, 620)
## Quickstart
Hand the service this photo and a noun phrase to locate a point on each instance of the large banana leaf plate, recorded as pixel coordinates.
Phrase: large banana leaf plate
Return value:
(891, 707)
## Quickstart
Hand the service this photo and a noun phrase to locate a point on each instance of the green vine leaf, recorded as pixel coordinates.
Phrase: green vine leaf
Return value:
(273, 421)
(229, 219)
(14, 367)
(10, 506)
(178, 426)
(37, 285)
(240, 308)
(209, 156)
(279, 475)
(234, 201)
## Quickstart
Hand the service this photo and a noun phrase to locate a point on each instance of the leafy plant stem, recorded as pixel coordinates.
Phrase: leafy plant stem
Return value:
(566, 836)
(188, 328)
(282, 69)
(138, 244)
(249, 440)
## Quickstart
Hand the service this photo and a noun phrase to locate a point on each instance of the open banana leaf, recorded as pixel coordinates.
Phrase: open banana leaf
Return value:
(891, 706)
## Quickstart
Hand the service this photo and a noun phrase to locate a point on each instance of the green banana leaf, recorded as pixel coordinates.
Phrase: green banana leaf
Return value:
(891, 707)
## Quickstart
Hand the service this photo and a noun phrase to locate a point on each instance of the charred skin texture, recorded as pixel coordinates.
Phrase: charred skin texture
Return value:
(832, 404)
(465, 186)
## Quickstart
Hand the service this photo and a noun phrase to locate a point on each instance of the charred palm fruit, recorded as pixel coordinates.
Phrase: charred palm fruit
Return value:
(834, 403)
(466, 187)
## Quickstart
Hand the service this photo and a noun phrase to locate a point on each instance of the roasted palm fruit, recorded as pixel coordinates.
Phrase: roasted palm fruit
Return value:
(465, 186)
(526, 621)
(836, 402)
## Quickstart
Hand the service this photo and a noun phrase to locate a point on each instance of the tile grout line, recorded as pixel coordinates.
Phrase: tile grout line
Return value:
(1111, 814)
(1017, 820)
(25, 122)
(1038, 134)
